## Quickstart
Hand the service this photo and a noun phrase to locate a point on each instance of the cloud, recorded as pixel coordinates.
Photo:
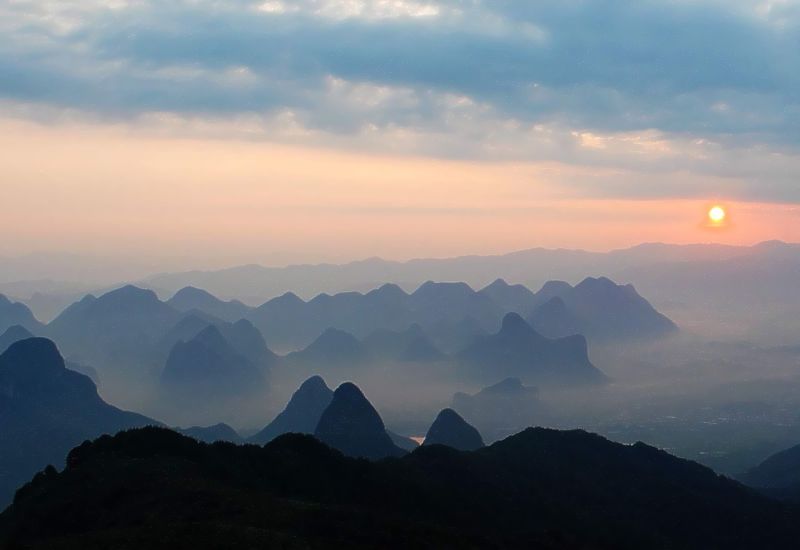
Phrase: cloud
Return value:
(651, 86)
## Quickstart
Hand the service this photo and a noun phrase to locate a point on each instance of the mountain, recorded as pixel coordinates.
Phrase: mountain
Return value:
(291, 323)
(410, 345)
(301, 414)
(16, 313)
(433, 302)
(153, 488)
(501, 409)
(451, 430)
(334, 348)
(352, 425)
(519, 351)
(210, 434)
(190, 298)
(14, 333)
(241, 335)
(753, 293)
(554, 319)
(45, 410)
(517, 298)
(778, 475)
(118, 329)
(208, 365)
(599, 309)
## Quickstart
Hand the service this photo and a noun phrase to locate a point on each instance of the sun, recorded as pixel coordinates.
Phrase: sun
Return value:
(716, 214)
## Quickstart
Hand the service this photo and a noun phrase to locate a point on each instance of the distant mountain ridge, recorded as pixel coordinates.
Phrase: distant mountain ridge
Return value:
(17, 314)
(532, 267)
(517, 350)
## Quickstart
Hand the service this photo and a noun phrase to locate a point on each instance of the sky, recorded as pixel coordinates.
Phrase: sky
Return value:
(202, 133)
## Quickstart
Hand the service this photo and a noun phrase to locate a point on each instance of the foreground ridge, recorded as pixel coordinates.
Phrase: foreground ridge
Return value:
(540, 488)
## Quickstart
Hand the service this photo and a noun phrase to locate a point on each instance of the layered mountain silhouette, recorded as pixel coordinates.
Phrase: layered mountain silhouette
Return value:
(16, 313)
(210, 434)
(451, 430)
(502, 408)
(45, 410)
(190, 298)
(599, 309)
(351, 425)
(540, 488)
(517, 350)
(517, 298)
(778, 475)
(412, 345)
(13, 334)
(208, 365)
(301, 414)
(120, 328)
(334, 348)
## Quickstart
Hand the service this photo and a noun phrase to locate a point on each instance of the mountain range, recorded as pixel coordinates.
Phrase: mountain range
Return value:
(149, 488)
(517, 350)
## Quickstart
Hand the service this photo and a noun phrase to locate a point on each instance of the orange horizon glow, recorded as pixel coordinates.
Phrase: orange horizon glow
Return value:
(208, 203)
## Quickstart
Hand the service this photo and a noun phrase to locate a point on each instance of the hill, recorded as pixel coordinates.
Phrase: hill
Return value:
(45, 410)
(540, 488)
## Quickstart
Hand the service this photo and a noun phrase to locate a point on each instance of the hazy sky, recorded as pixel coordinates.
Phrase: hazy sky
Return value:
(205, 133)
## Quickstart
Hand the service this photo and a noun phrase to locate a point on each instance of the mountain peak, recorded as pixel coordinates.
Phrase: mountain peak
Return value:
(352, 425)
(129, 292)
(451, 430)
(192, 292)
(302, 413)
(14, 333)
(32, 358)
(514, 324)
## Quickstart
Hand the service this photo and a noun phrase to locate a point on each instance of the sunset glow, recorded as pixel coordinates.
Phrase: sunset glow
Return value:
(716, 214)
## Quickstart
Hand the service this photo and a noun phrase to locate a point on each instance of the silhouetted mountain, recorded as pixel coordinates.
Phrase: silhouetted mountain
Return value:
(501, 409)
(208, 365)
(519, 351)
(45, 410)
(433, 302)
(289, 322)
(118, 329)
(16, 313)
(352, 425)
(517, 298)
(600, 310)
(14, 333)
(241, 335)
(210, 434)
(301, 414)
(247, 340)
(190, 298)
(410, 345)
(451, 430)
(778, 475)
(333, 349)
(153, 488)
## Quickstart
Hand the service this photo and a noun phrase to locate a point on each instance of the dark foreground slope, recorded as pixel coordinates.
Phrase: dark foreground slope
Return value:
(45, 410)
(152, 488)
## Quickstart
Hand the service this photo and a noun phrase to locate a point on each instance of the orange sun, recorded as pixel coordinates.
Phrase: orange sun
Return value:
(716, 214)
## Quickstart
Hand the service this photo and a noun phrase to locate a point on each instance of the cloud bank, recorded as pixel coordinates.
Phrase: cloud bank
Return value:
(654, 87)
